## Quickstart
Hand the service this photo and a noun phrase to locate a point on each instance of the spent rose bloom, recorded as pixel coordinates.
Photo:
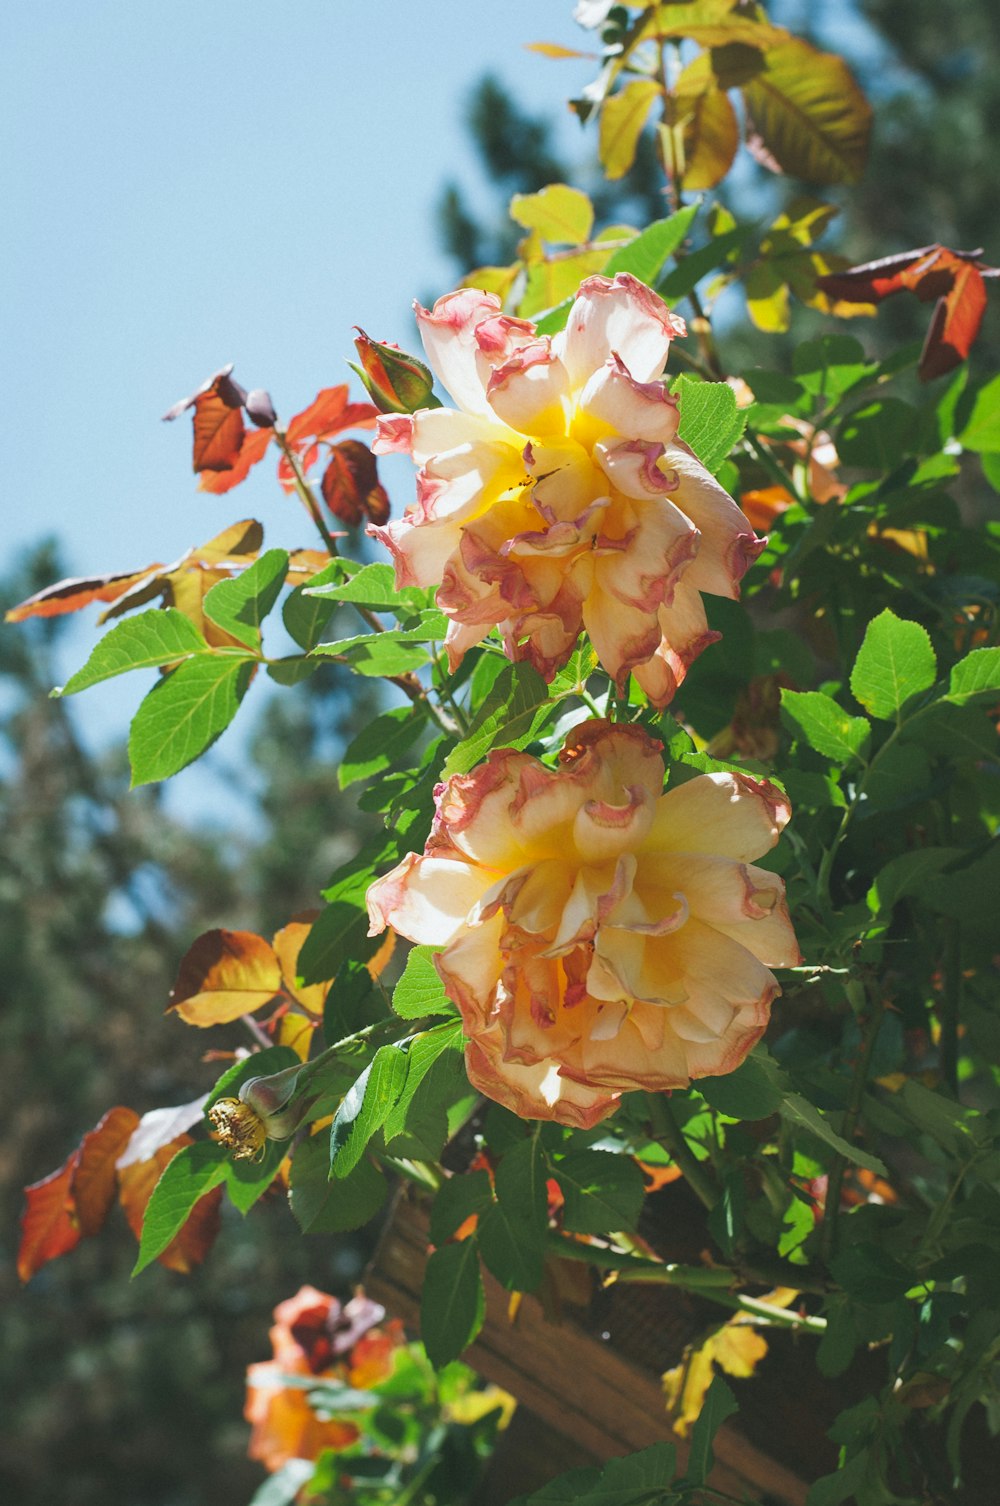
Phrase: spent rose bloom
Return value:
(315, 1335)
(556, 496)
(598, 934)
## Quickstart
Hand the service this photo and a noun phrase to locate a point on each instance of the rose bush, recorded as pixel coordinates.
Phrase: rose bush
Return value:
(556, 495)
(598, 934)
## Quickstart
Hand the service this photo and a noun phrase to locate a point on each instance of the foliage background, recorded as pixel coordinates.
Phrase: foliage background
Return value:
(100, 892)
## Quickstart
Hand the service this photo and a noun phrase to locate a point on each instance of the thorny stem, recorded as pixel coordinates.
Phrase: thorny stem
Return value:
(670, 1135)
(859, 1081)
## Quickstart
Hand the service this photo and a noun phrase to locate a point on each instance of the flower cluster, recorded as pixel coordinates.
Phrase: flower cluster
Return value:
(313, 1335)
(598, 935)
(556, 496)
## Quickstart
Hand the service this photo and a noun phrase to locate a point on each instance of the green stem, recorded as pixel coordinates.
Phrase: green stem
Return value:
(859, 1081)
(951, 1004)
(774, 469)
(670, 1135)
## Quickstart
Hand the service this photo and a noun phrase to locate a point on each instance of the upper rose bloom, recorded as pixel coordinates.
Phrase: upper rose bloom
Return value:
(556, 495)
(598, 935)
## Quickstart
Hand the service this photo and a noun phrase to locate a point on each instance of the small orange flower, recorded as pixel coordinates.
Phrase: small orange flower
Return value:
(598, 934)
(314, 1335)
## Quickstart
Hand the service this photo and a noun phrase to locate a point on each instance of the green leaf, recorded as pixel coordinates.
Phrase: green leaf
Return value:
(373, 586)
(305, 617)
(753, 1091)
(878, 435)
(247, 1181)
(240, 604)
(908, 874)
(982, 432)
(423, 1053)
(603, 1191)
(340, 932)
(719, 1404)
(505, 717)
(895, 662)
(809, 113)
(195, 1170)
(830, 365)
(978, 674)
(380, 744)
(452, 1302)
(680, 280)
(459, 1198)
(184, 714)
(843, 1485)
(320, 1206)
(512, 1231)
(710, 423)
(365, 1108)
(644, 257)
(800, 1112)
(825, 726)
(397, 651)
(147, 641)
(420, 992)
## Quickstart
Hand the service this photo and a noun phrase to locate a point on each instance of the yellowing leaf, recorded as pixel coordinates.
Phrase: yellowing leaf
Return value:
(622, 119)
(712, 23)
(287, 946)
(559, 213)
(807, 115)
(767, 297)
(736, 1347)
(711, 136)
(555, 50)
(498, 280)
(224, 975)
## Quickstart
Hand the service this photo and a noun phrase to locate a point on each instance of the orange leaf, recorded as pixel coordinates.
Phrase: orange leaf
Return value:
(94, 1177)
(193, 1242)
(224, 975)
(330, 413)
(350, 485)
(218, 421)
(251, 451)
(49, 1225)
(376, 965)
(303, 564)
(76, 592)
(235, 545)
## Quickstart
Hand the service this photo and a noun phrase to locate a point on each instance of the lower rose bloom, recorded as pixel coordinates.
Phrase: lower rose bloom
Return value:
(314, 1335)
(598, 935)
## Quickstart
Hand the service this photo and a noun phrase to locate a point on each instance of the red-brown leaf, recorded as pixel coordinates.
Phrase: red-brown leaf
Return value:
(95, 1180)
(252, 450)
(224, 975)
(350, 485)
(330, 413)
(193, 1242)
(952, 280)
(49, 1224)
(76, 592)
(218, 421)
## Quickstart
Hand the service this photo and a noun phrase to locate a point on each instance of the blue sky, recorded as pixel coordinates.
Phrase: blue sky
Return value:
(193, 183)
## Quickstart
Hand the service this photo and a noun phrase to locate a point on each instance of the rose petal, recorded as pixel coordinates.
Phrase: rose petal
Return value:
(732, 815)
(449, 335)
(729, 545)
(624, 317)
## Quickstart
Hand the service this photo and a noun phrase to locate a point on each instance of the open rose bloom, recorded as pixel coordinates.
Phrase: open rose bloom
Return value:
(598, 934)
(555, 496)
